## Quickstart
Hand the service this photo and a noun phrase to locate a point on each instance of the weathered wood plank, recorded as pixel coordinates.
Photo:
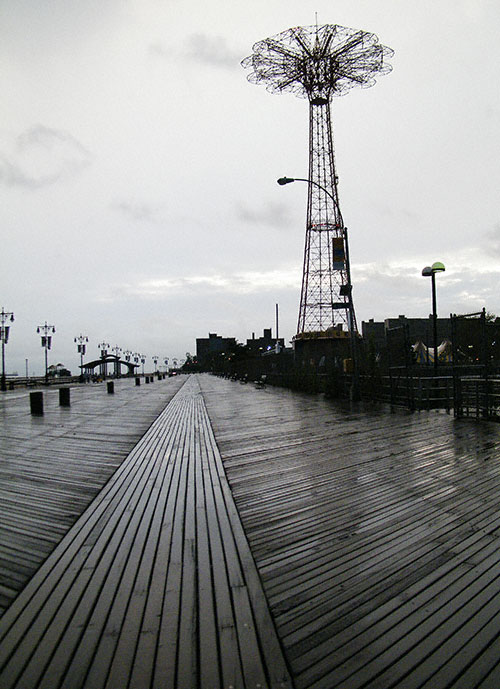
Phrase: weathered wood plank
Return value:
(52, 467)
(123, 599)
(376, 535)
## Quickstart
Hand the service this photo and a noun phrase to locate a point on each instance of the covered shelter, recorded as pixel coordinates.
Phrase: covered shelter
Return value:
(90, 367)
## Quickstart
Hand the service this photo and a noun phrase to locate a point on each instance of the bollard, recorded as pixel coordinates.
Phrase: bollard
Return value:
(137, 381)
(147, 379)
(111, 388)
(64, 397)
(152, 379)
(36, 403)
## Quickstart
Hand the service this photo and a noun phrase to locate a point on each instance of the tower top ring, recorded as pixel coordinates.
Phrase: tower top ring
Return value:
(318, 62)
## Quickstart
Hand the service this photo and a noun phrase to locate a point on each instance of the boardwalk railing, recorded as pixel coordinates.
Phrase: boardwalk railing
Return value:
(478, 397)
(414, 392)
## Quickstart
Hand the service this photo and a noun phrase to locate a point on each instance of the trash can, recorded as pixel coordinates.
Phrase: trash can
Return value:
(36, 403)
(64, 397)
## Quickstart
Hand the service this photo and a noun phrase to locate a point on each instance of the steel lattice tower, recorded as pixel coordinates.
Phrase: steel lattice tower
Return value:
(318, 63)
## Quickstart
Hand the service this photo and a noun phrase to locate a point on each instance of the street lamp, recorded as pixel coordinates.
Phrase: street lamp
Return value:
(430, 271)
(81, 341)
(5, 316)
(135, 356)
(345, 290)
(116, 349)
(155, 361)
(43, 331)
(143, 361)
(103, 347)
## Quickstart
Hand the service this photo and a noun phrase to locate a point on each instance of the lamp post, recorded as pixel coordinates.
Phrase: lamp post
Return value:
(143, 361)
(430, 271)
(5, 317)
(43, 331)
(345, 290)
(116, 349)
(155, 361)
(127, 354)
(103, 347)
(81, 346)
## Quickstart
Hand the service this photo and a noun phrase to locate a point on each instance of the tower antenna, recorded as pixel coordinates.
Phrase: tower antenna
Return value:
(318, 63)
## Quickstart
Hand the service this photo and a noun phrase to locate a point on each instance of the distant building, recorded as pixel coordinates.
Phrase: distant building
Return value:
(262, 344)
(419, 329)
(213, 344)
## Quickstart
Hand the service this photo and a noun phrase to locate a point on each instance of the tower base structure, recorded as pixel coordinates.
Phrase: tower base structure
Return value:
(324, 352)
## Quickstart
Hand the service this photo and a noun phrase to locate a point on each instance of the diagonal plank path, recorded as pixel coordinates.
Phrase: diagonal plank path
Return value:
(154, 585)
(53, 466)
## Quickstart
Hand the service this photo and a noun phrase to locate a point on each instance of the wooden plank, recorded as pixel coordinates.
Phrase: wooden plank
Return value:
(52, 467)
(151, 565)
(375, 534)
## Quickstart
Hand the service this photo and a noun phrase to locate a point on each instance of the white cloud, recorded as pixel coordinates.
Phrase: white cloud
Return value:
(246, 282)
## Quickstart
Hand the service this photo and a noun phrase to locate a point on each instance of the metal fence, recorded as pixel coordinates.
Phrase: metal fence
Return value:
(469, 383)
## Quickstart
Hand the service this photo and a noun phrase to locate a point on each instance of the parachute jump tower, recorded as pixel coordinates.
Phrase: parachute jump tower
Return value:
(319, 63)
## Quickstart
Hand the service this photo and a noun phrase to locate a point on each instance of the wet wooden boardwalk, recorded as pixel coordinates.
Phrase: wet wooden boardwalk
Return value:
(377, 536)
(264, 538)
(51, 467)
(154, 586)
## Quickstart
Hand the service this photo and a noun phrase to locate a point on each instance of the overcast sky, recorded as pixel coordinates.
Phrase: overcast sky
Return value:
(138, 168)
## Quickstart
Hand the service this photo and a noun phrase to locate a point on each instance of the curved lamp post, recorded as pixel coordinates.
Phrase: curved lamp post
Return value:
(5, 316)
(430, 271)
(345, 290)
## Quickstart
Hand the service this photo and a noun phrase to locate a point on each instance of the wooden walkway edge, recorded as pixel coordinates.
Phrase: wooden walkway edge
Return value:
(154, 585)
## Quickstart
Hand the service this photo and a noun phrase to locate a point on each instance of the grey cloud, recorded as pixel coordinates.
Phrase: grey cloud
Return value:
(272, 215)
(201, 48)
(161, 50)
(42, 156)
(140, 212)
(211, 50)
(494, 238)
